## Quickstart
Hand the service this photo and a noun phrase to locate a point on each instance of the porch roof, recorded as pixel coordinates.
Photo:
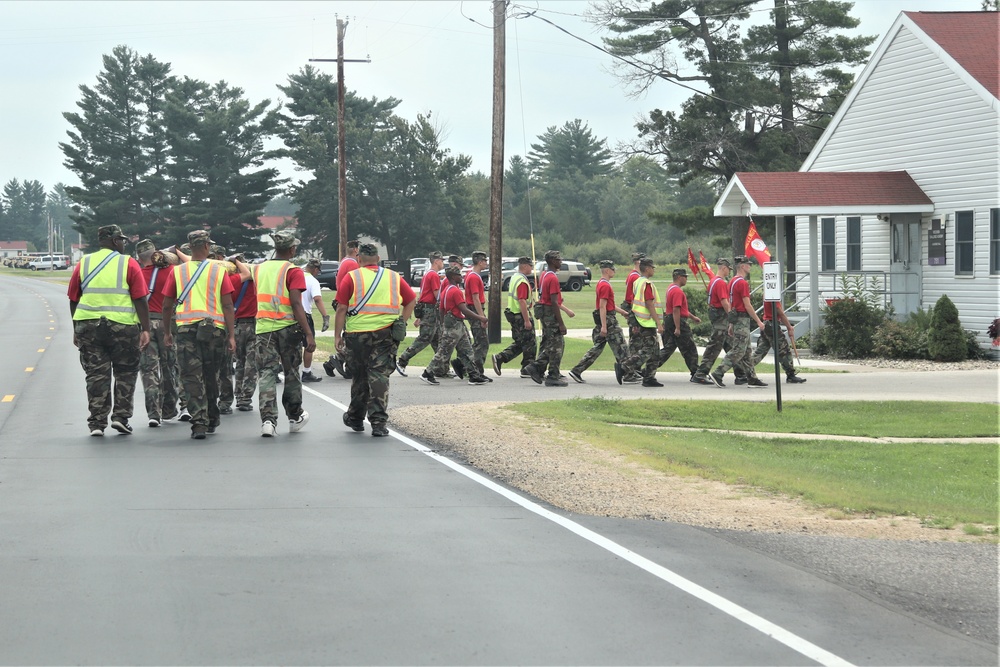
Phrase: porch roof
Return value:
(822, 193)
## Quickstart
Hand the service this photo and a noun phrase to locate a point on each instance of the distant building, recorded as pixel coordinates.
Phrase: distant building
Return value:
(13, 248)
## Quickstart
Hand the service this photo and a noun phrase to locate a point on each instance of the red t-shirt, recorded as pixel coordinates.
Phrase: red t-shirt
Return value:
(347, 265)
(648, 294)
(629, 282)
(248, 306)
(346, 289)
(170, 285)
(676, 297)
(738, 289)
(474, 289)
(768, 311)
(429, 285)
(452, 296)
(604, 291)
(523, 291)
(137, 287)
(549, 290)
(156, 284)
(718, 290)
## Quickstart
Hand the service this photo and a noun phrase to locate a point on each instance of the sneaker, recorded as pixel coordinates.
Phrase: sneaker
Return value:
(267, 430)
(651, 382)
(577, 377)
(97, 432)
(308, 376)
(536, 375)
(328, 367)
(716, 380)
(184, 416)
(379, 431)
(700, 379)
(635, 378)
(401, 368)
(357, 426)
(197, 435)
(121, 425)
(225, 409)
(211, 430)
(459, 368)
(338, 363)
(479, 380)
(794, 379)
(525, 374)
(429, 378)
(739, 381)
(619, 373)
(154, 423)
(280, 378)
(295, 425)
(555, 382)
(245, 408)
(754, 382)
(496, 364)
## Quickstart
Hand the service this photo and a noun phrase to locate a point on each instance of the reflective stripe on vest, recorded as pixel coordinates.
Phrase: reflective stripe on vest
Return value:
(639, 309)
(274, 305)
(382, 308)
(204, 300)
(107, 294)
(515, 282)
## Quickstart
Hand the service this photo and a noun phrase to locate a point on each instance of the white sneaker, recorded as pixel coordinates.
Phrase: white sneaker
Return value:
(267, 430)
(295, 425)
(153, 423)
(97, 432)
(184, 416)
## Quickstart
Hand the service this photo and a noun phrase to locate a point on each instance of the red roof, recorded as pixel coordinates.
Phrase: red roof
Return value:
(13, 245)
(276, 221)
(817, 188)
(971, 38)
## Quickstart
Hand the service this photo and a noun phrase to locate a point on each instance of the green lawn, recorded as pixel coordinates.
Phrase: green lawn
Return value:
(942, 483)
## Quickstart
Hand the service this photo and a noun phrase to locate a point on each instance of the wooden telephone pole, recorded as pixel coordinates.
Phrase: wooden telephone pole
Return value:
(341, 140)
(496, 168)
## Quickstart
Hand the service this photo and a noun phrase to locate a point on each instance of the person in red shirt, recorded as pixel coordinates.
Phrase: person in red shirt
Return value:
(454, 335)
(676, 330)
(518, 313)
(718, 314)
(606, 330)
(335, 364)
(740, 316)
(548, 311)
(428, 321)
(475, 297)
(158, 366)
(245, 357)
(227, 394)
(765, 342)
(629, 291)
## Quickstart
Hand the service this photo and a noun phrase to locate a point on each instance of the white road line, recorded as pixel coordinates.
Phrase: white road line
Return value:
(776, 632)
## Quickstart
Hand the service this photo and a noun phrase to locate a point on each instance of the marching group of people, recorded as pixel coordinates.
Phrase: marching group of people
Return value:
(206, 330)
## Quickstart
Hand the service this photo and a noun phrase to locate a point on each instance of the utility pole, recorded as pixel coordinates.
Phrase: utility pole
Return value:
(341, 132)
(496, 167)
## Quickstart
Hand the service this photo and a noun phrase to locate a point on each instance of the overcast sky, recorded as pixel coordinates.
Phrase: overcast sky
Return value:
(434, 56)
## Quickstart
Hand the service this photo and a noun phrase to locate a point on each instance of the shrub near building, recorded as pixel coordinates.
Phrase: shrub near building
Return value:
(946, 341)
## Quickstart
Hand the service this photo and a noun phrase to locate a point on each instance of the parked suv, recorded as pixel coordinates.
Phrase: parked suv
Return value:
(418, 266)
(49, 262)
(572, 276)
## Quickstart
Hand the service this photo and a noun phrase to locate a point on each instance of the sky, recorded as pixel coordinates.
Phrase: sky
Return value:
(437, 57)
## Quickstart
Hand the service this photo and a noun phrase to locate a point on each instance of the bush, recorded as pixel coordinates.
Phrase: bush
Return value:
(975, 350)
(946, 341)
(850, 328)
(698, 305)
(591, 253)
(894, 340)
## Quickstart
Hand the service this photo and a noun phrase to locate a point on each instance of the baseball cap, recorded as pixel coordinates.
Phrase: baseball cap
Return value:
(199, 237)
(455, 258)
(110, 232)
(478, 256)
(524, 260)
(553, 254)
(285, 239)
(368, 250)
(606, 264)
(680, 272)
(646, 262)
(218, 250)
(145, 245)
(740, 259)
(315, 262)
(453, 271)
(636, 256)
(724, 262)
(435, 254)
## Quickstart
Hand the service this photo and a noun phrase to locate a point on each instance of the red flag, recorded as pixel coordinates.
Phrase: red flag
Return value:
(691, 263)
(755, 246)
(705, 268)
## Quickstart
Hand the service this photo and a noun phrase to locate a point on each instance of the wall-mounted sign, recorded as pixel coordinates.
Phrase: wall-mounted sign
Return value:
(936, 244)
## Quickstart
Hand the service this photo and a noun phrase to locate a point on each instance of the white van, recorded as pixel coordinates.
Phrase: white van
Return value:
(46, 262)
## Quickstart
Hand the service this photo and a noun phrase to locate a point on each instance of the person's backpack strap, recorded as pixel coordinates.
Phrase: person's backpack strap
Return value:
(93, 274)
(194, 279)
(368, 293)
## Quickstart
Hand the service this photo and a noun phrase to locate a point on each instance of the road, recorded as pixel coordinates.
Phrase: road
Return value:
(329, 547)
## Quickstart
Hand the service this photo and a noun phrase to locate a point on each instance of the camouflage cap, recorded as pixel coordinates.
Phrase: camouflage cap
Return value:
(144, 246)
(680, 272)
(606, 264)
(524, 260)
(453, 271)
(636, 256)
(199, 237)
(646, 262)
(110, 232)
(368, 250)
(553, 254)
(284, 239)
(185, 248)
(725, 262)
(478, 256)
(740, 259)
(435, 254)
(455, 259)
(314, 263)
(217, 250)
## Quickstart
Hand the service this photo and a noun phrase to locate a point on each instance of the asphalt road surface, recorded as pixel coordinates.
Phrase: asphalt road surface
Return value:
(329, 547)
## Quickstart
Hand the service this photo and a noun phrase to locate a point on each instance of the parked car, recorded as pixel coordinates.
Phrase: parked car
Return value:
(328, 274)
(572, 276)
(508, 268)
(418, 266)
(49, 262)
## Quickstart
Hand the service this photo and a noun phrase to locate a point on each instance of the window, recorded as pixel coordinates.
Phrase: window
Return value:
(964, 242)
(828, 244)
(994, 241)
(854, 244)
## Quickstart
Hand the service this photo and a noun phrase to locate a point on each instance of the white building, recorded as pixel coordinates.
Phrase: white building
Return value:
(904, 184)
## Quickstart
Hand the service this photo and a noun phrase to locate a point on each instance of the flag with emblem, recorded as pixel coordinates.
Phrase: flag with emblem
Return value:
(703, 265)
(755, 246)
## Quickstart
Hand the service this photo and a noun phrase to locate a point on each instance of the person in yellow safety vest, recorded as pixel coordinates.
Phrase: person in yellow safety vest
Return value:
(107, 300)
(645, 305)
(281, 329)
(199, 297)
(373, 296)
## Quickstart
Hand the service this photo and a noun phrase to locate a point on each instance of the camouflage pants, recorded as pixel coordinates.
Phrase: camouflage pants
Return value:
(158, 369)
(280, 350)
(199, 353)
(683, 342)
(108, 350)
(550, 351)
(764, 344)
(370, 359)
(523, 343)
(739, 355)
(720, 332)
(480, 342)
(246, 362)
(455, 337)
(226, 393)
(645, 346)
(615, 338)
(428, 334)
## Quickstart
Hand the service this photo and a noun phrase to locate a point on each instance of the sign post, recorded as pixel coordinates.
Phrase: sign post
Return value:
(772, 294)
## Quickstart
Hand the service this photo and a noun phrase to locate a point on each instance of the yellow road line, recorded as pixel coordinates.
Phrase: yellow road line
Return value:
(9, 398)
(29, 369)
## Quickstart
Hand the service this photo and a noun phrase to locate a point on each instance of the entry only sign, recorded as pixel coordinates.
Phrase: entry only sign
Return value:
(772, 281)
